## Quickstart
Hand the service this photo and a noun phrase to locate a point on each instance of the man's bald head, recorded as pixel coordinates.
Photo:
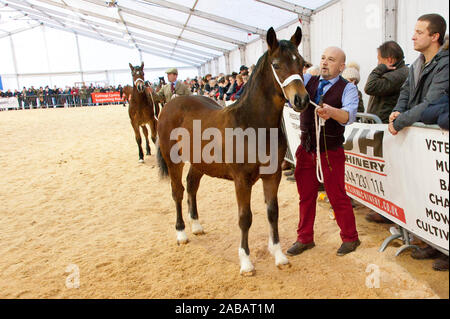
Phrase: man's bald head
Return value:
(332, 62)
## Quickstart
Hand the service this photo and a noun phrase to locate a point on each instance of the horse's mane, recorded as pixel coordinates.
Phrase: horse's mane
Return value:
(253, 83)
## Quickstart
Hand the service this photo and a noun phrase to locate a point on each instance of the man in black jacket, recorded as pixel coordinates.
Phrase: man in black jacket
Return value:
(385, 81)
(428, 75)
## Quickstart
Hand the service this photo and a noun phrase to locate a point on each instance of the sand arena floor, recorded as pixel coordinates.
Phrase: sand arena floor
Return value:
(72, 192)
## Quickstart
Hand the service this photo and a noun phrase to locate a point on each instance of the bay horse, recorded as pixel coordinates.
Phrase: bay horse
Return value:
(276, 79)
(141, 110)
(125, 93)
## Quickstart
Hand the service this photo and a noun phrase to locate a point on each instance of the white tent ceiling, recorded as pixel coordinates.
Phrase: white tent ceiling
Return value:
(189, 31)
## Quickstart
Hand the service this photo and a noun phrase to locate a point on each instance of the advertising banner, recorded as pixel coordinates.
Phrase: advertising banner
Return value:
(106, 97)
(7, 103)
(404, 177)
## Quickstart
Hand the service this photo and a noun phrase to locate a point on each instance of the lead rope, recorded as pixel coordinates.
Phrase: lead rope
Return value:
(153, 101)
(318, 123)
(317, 120)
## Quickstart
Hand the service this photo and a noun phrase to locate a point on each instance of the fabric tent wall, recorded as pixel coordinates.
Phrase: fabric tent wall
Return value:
(357, 27)
(408, 12)
(45, 56)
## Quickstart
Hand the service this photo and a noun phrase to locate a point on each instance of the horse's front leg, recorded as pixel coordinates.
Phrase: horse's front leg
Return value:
(243, 194)
(192, 183)
(270, 186)
(137, 134)
(147, 143)
(175, 173)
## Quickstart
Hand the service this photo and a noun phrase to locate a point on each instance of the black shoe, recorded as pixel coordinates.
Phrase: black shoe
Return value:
(291, 178)
(348, 247)
(298, 247)
(289, 173)
(374, 217)
(441, 263)
(425, 253)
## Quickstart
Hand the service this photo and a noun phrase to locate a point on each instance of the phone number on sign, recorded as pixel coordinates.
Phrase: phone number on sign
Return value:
(370, 184)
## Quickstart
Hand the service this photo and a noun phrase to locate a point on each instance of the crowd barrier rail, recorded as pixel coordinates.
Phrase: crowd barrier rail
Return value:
(60, 100)
(405, 177)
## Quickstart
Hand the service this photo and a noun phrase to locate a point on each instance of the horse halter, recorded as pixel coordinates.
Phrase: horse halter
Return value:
(139, 80)
(287, 81)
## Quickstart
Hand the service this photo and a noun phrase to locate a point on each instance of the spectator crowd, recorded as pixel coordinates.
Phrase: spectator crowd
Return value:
(45, 97)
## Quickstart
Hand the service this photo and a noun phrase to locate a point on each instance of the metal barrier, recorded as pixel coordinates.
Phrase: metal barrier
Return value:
(368, 118)
(57, 101)
(403, 234)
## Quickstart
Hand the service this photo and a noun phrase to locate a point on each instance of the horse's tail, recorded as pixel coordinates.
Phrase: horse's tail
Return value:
(163, 170)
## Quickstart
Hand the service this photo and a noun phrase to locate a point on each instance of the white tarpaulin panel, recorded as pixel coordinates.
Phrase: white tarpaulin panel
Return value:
(168, 37)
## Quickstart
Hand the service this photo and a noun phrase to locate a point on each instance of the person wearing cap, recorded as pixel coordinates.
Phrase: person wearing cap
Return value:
(174, 87)
(351, 74)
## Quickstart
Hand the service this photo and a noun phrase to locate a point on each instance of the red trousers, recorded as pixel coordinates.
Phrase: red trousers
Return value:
(334, 182)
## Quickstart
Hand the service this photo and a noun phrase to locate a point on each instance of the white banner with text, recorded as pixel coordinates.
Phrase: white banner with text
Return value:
(404, 177)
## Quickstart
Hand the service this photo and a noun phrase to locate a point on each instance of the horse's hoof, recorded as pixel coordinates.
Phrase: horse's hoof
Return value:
(248, 273)
(182, 241)
(284, 266)
(197, 229)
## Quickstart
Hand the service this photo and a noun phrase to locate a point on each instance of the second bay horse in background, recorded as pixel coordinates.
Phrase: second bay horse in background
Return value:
(141, 110)
(125, 94)
(277, 78)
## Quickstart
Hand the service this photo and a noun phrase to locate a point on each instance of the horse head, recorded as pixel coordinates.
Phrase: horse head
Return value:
(137, 72)
(287, 68)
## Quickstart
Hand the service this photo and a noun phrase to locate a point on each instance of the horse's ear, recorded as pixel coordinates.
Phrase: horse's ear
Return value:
(272, 41)
(131, 67)
(297, 37)
(142, 65)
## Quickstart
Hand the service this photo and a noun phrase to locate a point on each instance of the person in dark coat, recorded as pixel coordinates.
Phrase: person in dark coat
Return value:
(385, 81)
(428, 75)
(437, 113)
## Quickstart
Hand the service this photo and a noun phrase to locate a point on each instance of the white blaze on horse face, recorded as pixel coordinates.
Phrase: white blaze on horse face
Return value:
(246, 264)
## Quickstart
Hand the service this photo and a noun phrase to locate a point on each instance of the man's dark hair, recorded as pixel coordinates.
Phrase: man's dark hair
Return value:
(391, 49)
(436, 24)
